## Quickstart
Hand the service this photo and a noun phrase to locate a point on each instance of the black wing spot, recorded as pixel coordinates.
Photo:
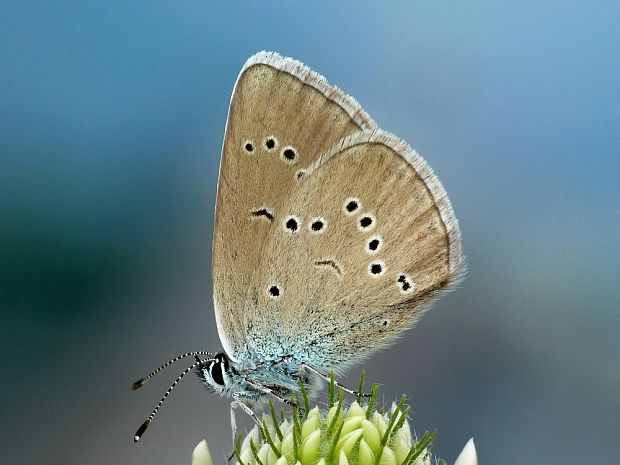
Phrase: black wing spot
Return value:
(262, 213)
(291, 224)
(274, 291)
(248, 146)
(270, 143)
(405, 283)
(289, 155)
(374, 244)
(317, 225)
(300, 174)
(376, 268)
(366, 222)
(351, 205)
(330, 264)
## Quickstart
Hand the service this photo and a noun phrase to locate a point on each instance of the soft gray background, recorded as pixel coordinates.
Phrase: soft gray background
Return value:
(111, 119)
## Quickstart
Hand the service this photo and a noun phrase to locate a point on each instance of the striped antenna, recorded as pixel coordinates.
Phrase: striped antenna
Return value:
(142, 381)
(150, 418)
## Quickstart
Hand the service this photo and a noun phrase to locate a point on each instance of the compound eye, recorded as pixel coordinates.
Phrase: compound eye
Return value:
(216, 370)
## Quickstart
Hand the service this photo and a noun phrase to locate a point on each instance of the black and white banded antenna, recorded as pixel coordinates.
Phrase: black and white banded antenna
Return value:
(142, 381)
(150, 418)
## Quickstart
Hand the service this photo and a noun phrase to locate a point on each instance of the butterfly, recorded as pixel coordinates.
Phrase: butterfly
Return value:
(332, 237)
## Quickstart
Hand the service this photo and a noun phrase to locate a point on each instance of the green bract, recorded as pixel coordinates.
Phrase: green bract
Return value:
(357, 434)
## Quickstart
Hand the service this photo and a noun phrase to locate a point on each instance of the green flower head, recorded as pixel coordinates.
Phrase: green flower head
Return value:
(357, 434)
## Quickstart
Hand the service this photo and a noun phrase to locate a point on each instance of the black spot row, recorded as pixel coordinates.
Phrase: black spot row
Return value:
(288, 154)
(316, 225)
(366, 221)
(269, 144)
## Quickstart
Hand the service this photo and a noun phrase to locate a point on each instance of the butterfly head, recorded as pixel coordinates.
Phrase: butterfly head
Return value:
(218, 374)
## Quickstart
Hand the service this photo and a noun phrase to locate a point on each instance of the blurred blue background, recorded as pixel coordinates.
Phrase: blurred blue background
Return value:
(111, 120)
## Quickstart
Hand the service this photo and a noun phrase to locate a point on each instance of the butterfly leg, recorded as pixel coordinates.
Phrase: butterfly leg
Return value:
(328, 379)
(233, 420)
(233, 424)
(271, 392)
(233, 427)
(238, 403)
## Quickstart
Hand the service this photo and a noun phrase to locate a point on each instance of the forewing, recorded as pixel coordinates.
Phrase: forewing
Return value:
(377, 242)
(282, 116)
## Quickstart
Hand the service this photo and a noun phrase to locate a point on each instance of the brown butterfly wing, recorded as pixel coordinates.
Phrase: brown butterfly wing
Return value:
(282, 116)
(378, 242)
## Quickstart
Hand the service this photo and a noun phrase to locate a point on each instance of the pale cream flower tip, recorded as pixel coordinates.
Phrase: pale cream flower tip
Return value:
(201, 454)
(468, 454)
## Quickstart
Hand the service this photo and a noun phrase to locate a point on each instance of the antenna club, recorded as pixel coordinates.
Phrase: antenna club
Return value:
(141, 431)
(138, 384)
